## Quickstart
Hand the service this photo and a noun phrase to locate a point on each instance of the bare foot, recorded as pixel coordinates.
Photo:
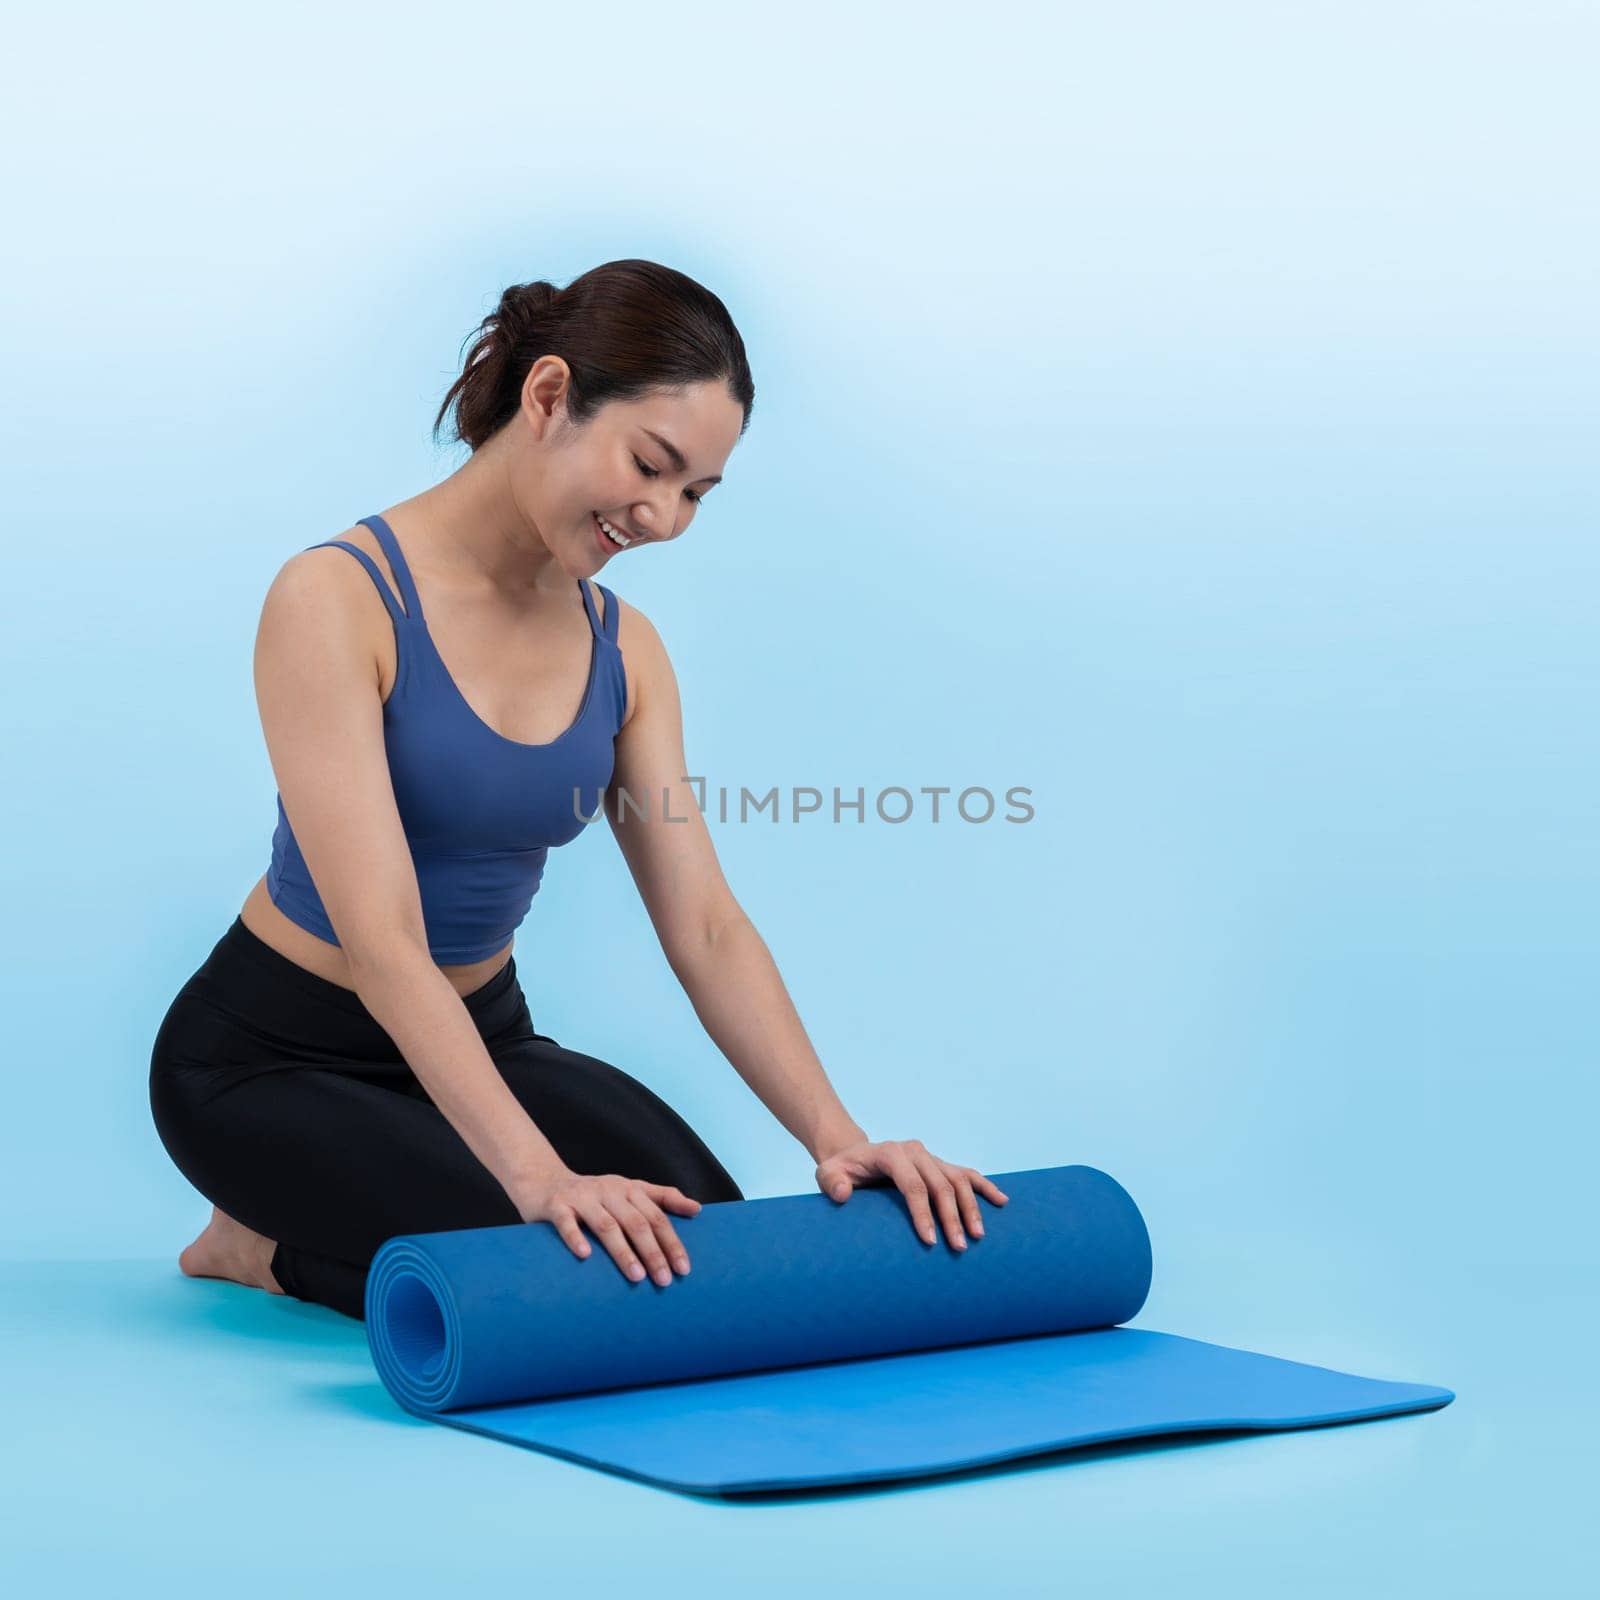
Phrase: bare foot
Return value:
(228, 1249)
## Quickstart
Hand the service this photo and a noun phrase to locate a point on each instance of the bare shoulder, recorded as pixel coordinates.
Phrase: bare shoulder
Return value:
(323, 587)
(634, 627)
(325, 564)
(313, 576)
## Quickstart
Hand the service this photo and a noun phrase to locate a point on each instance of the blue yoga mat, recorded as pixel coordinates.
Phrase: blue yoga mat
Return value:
(816, 1344)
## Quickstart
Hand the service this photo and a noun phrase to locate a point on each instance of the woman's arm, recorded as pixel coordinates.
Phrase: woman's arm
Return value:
(739, 997)
(712, 947)
(316, 677)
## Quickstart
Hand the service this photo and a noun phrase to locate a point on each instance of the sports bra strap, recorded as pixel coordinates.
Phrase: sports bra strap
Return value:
(610, 629)
(372, 567)
(588, 605)
(391, 548)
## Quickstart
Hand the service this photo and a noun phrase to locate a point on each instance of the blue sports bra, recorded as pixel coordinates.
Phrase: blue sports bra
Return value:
(480, 811)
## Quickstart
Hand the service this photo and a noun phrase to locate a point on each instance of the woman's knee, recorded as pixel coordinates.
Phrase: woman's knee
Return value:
(176, 1101)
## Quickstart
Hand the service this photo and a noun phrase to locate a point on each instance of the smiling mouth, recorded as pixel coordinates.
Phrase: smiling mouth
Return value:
(619, 543)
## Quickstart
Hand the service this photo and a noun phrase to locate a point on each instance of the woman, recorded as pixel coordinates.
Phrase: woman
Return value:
(355, 1058)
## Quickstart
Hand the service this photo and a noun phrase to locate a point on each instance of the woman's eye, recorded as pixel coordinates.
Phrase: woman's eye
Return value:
(650, 472)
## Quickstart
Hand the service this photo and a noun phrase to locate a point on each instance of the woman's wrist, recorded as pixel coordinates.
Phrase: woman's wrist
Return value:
(532, 1179)
(837, 1137)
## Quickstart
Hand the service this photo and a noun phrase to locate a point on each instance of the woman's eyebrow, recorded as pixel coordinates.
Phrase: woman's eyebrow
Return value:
(675, 455)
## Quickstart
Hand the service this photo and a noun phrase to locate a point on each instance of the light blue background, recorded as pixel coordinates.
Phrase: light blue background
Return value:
(1187, 412)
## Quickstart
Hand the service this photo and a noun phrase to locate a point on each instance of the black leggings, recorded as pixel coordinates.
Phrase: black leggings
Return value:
(282, 1100)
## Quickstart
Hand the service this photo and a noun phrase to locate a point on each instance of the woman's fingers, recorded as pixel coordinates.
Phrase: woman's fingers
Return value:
(944, 1196)
(611, 1234)
(651, 1198)
(642, 1231)
(624, 1214)
(666, 1194)
(991, 1189)
(969, 1201)
(566, 1224)
(929, 1183)
(637, 1241)
(609, 1220)
(903, 1170)
(666, 1236)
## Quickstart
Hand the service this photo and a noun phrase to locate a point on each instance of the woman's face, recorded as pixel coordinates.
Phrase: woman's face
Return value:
(643, 465)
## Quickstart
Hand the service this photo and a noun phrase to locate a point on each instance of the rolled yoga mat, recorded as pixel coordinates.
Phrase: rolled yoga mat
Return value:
(815, 1343)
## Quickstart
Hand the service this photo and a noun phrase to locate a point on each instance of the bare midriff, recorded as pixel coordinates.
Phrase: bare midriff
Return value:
(328, 961)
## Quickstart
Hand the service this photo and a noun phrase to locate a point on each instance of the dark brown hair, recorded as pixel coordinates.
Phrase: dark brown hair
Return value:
(623, 329)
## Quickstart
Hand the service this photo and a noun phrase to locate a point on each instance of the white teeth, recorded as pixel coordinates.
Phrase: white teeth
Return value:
(620, 540)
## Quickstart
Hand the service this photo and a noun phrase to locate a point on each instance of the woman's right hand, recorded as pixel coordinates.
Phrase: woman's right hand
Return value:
(625, 1215)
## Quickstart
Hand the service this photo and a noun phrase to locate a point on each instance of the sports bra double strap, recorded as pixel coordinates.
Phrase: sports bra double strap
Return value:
(608, 629)
(408, 589)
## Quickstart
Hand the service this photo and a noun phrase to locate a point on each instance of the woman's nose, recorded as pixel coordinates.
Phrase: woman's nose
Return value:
(656, 521)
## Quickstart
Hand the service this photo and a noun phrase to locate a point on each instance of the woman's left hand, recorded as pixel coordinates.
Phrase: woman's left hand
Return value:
(922, 1178)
